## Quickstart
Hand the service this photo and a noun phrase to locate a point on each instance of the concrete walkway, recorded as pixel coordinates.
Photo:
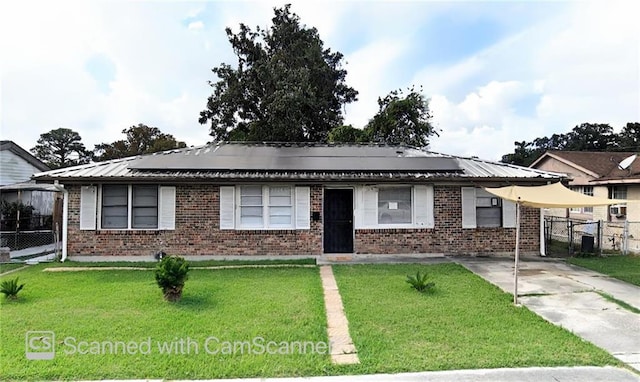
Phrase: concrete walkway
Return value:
(343, 351)
(570, 297)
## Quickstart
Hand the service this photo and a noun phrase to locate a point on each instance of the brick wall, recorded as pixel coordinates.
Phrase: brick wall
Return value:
(197, 232)
(448, 236)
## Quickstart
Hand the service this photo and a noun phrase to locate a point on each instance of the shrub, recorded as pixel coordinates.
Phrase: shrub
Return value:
(419, 282)
(10, 288)
(171, 274)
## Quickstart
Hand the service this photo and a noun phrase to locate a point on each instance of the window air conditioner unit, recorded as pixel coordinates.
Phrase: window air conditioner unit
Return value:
(618, 210)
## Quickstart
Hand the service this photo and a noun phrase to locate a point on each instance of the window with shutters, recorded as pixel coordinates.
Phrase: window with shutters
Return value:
(129, 207)
(266, 207)
(481, 209)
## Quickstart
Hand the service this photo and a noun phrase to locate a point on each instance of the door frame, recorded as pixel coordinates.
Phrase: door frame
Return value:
(353, 214)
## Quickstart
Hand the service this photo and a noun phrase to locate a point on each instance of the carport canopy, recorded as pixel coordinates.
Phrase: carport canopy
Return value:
(547, 196)
(550, 196)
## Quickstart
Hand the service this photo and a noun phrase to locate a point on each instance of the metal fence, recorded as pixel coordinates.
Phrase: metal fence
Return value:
(36, 232)
(565, 236)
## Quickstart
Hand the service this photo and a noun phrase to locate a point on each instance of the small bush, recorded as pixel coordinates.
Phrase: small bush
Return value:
(419, 282)
(10, 288)
(171, 274)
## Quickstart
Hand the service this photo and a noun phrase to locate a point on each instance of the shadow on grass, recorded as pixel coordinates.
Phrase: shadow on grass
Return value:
(195, 301)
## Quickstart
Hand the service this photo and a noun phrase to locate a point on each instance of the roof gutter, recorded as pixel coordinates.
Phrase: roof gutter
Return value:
(65, 218)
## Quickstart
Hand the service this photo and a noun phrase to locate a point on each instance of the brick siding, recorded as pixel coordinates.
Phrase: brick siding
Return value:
(197, 232)
(448, 236)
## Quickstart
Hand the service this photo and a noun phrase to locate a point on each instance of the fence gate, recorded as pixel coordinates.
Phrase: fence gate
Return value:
(566, 237)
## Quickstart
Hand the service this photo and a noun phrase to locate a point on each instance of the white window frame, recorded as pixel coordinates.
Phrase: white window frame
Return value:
(583, 190)
(410, 224)
(266, 208)
(366, 207)
(129, 226)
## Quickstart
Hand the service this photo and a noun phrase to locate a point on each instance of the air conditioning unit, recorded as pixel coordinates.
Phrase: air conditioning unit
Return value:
(618, 210)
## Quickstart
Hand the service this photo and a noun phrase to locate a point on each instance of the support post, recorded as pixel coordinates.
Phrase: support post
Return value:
(517, 255)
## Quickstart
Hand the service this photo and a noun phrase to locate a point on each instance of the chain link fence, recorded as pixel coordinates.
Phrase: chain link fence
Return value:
(567, 237)
(26, 233)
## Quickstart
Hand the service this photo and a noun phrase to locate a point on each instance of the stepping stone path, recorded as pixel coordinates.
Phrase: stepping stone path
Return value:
(343, 351)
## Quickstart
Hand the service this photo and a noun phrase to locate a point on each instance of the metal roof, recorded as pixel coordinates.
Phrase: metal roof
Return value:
(351, 163)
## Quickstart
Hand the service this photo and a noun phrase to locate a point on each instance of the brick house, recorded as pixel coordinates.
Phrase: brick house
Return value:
(304, 200)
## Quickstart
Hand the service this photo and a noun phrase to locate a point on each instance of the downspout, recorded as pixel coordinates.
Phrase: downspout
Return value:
(65, 218)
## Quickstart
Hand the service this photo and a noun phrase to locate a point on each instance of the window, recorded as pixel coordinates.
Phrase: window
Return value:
(618, 192)
(586, 190)
(280, 207)
(394, 205)
(488, 209)
(145, 207)
(119, 213)
(251, 206)
(266, 206)
(114, 206)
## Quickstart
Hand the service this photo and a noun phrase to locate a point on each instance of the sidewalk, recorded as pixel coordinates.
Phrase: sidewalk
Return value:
(569, 296)
(532, 374)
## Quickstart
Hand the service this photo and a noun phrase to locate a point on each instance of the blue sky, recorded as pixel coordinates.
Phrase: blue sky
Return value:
(495, 71)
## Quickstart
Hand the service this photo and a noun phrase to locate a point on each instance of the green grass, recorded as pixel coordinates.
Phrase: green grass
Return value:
(625, 268)
(6, 267)
(232, 305)
(621, 303)
(462, 323)
(203, 263)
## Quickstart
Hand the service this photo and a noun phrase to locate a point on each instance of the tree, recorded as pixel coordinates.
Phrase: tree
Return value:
(286, 86)
(629, 137)
(347, 134)
(61, 148)
(583, 137)
(402, 120)
(590, 137)
(140, 139)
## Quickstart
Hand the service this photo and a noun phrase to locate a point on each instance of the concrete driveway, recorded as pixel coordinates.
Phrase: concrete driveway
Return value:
(569, 296)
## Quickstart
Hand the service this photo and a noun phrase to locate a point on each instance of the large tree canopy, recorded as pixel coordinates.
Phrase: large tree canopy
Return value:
(583, 137)
(140, 139)
(61, 148)
(401, 119)
(286, 86)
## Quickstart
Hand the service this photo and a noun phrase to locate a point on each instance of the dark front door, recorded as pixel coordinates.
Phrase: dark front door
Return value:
(338, 221)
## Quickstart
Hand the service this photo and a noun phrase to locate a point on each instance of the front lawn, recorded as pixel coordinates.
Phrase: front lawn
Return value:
(6, 267)
(625, 268)
(463, 323)
(232, 305)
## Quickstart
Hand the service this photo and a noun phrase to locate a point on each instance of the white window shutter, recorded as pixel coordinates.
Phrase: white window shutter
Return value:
(468, 207)
(88, 207)
(227, 207)
(167, 208)
(369, 206)
(303, 208)
(423, 200)
(508, 214)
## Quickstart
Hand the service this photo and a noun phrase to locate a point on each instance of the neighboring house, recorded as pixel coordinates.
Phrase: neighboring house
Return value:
(16, 168)
(603, 174)
(294, 199)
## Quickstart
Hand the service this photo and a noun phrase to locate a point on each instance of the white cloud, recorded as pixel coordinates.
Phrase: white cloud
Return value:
(195, 25)
(579, 64)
